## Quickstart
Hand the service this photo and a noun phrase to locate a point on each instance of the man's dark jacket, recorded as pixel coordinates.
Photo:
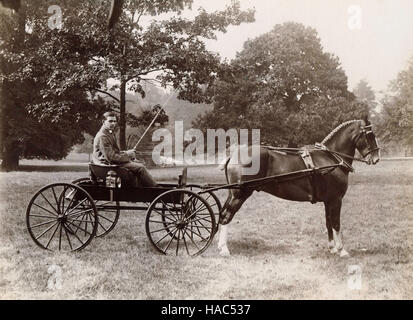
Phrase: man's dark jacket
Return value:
(106, 150)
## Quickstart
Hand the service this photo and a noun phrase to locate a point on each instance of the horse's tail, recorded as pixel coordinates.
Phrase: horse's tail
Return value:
(226, 168)
(224, 165)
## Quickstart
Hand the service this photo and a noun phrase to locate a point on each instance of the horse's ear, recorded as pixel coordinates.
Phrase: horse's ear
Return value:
(366, 119)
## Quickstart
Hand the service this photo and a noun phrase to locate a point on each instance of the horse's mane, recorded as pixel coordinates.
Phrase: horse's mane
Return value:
(338, 128)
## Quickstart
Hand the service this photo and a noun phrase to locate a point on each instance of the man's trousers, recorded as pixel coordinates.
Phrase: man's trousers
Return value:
(143, 177)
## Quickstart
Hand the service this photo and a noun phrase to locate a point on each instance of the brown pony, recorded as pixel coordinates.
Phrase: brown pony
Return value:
(328, 187)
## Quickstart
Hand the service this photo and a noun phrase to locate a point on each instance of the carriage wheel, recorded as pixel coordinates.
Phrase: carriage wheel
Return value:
(164, 211)
(108, 212)
(62, 217)
(212, 200)
(187, 226)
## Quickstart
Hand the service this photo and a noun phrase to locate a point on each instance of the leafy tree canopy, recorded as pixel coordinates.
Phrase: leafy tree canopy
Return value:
(284, 84)
(33, 124)
(54, 75)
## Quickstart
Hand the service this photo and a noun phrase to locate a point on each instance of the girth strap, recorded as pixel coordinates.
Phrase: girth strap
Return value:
(308, 162)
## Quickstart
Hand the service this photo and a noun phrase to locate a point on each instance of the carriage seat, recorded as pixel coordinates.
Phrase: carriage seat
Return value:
(182, 178)
(98, 173)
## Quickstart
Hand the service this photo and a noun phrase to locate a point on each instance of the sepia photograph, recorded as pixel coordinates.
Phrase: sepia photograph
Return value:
(206, 150)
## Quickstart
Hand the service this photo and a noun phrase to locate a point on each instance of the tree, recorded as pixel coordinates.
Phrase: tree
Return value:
(396, 118)
(67, 68)
(34, 122)
(11, 4)
(170, 51)
(284, 84)
(365, 94)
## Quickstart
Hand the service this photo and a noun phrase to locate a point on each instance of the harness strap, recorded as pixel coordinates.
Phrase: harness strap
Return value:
(308, 162)
(338, 156)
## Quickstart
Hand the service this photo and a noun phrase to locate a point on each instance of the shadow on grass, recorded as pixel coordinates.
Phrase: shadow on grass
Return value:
(53, 168)
(254, 247)
(395, 254)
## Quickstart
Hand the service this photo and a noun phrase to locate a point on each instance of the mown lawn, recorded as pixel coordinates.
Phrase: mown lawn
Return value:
(278, 247)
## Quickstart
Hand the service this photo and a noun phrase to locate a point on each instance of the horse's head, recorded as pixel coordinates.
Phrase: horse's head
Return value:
(366, 142)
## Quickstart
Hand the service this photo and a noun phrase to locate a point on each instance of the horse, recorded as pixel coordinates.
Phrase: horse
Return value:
(337, 148)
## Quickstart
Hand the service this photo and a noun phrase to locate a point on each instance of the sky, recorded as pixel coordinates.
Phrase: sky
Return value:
(373, 39)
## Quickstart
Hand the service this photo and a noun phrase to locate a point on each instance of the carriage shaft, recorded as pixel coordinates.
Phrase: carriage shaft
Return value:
(284, 177)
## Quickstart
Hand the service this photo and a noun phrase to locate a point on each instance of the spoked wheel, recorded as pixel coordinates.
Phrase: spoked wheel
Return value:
(212, 200)
(62, 217)
(108, 212)
(166, 222)
(180, 222)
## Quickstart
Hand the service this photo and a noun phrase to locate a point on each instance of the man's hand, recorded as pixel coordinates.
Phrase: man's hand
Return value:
(131, 153)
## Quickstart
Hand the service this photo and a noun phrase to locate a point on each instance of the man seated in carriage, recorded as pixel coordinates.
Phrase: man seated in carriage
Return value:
(106, 151)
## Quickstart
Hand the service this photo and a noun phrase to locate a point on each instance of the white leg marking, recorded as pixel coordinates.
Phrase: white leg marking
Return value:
(344, 253)
(222, 242)
(337, 239)
(339, 245)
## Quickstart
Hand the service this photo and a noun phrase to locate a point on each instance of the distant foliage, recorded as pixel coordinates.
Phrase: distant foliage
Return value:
(396, 119)
(365, 94)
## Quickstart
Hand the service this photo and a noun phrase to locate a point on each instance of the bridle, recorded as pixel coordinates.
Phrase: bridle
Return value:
(368, 134)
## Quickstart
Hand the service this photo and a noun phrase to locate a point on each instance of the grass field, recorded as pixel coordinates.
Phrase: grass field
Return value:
(278, 247)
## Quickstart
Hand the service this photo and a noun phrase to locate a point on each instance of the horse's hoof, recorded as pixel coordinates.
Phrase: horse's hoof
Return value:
(344, 254)
(224, 252)
(334, 250)
(330, 244)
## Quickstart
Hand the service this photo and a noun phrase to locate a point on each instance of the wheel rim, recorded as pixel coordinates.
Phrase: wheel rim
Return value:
(61, 217)
(212, 200)
(108, 213)
(184, 228)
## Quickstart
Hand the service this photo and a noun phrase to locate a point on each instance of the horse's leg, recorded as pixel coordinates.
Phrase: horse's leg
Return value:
(223, 230)
(234, 202)
(335, 221)
(222, 242)
(329, 226)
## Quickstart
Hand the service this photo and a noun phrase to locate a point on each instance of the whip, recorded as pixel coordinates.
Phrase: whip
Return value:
(153, 120)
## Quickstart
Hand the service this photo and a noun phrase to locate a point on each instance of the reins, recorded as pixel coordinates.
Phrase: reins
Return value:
(321, 146)
(338, 155)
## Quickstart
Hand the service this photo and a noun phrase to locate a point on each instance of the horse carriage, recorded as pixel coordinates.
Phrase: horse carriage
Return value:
(67, 216)
(183, 218)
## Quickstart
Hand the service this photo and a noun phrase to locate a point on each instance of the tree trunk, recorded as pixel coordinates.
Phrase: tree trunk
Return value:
(122, 115)
(11, 150)
(10, 159)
